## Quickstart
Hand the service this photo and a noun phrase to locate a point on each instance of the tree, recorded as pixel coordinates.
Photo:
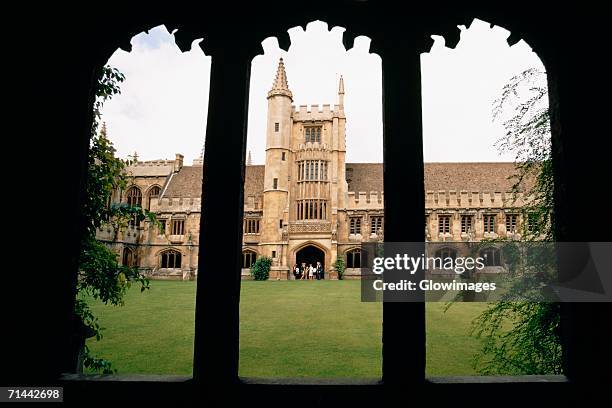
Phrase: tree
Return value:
(260, 270)
(100, 275)
(523, 337)
(339, 267)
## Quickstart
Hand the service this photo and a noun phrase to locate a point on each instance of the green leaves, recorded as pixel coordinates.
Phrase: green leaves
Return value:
(260, 270)
(339, 266)
(100, 274)
(523, 337)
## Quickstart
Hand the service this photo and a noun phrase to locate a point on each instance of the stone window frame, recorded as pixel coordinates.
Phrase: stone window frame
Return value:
(512, 221)
(151, 196)
(466, 229)
(251, 225)
(168, 255)
(249, 257)
(352, 258)
(133, 197)
(496, 256)
(376, 223)
(177, 224)
(393, 373)
(489, 221)
(313, 137)
(445, 224)
(355, 222)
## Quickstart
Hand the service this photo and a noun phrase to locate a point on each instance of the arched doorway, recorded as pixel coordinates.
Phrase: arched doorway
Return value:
(310, 254)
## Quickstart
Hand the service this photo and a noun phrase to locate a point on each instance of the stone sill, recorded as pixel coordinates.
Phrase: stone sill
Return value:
(159, 378)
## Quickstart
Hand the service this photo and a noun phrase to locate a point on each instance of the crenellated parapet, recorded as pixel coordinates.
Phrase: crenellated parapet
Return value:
(174, 204)
(151, 168)
(452, 199)
(316, 112)
(365, 200)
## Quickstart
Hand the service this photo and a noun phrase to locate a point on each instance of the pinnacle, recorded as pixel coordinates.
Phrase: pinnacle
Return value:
(280, 85)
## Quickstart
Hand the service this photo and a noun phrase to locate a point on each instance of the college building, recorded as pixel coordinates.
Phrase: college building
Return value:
(306, 204)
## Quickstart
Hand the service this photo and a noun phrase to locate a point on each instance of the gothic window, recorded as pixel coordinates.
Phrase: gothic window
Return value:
(444, 224)
(489, 223)
(492, 256)
(311, 210)
(128, 258)
(275, 183)
(353, 258)
(446, 252)
(170, 259)
(532, 222)
(153, 194)
(355, 225)
(467, 222)
(248, 258)
(134, 196)
(313, 134)
(251, 226)
(276, 126)
(376, 224)
(511, 221)
(178, 227)
(283, 156)
(162, 226)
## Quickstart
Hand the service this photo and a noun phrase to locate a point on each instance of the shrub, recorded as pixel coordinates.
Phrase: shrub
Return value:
(339, 266)
(260, 270)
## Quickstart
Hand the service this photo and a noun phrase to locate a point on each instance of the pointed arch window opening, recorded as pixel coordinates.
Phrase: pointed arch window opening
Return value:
(134, 199)
(170, 259)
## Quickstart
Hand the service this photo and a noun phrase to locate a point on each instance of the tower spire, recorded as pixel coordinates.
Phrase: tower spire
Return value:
(280, 85)
(249, 160)
(341, 91)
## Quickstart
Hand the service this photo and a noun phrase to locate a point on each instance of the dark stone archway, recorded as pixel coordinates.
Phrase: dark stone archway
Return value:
(310, 254)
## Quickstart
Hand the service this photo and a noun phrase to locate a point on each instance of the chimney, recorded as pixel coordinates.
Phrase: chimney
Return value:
(178, 162)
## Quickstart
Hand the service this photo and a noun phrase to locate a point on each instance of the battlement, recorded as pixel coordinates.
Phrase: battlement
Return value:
(472, 199)
(176, 204)
(364, 200)
(315, 112)
(154, 168)
(152, 163)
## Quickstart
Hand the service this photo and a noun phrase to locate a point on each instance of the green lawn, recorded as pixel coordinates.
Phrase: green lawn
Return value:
(287, 329)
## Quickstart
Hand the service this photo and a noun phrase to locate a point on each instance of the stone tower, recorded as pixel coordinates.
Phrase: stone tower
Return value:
(276, 177)
(304, 197)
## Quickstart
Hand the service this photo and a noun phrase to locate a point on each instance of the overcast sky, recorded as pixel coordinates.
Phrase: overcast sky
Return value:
(163, 106)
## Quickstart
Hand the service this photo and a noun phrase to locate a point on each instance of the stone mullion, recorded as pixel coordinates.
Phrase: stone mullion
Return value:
(216, 343)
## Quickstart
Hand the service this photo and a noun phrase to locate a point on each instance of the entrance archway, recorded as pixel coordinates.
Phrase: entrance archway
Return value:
(310, 255)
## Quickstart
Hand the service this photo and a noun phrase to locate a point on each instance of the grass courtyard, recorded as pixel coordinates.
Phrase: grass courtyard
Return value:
(287, 329)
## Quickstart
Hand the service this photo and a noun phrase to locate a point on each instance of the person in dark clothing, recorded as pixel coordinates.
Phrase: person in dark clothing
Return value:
(296, 272)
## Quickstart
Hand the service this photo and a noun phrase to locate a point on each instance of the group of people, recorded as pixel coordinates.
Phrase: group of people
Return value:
(310, 271)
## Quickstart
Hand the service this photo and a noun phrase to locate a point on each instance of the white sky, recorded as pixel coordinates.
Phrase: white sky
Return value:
(163, 106)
